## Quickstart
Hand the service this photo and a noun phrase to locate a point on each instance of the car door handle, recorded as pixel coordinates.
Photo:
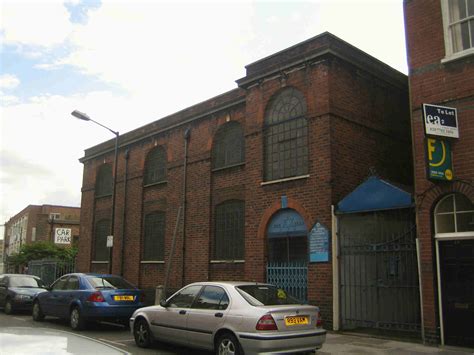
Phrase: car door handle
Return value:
(219, 315)
(182, 312)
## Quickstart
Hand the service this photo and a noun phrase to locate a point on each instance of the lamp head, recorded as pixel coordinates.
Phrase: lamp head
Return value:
(80, 115)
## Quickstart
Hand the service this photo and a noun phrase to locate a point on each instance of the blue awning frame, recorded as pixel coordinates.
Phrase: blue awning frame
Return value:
(375, 194)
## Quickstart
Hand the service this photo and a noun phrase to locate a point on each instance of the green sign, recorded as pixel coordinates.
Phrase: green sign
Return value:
(440, 166)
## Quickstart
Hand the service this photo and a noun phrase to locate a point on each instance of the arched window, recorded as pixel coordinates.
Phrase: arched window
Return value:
(102, 230)
(454, 214)
(155, 166)
(286, 136)
(228, 149)
(154, 237)
(103, 182)
(229, 233)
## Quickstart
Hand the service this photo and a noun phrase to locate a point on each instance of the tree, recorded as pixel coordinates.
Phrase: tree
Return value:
(42, 250)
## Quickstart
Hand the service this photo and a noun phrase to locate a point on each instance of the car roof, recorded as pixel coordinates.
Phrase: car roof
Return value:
(230, 283)
(24, 275)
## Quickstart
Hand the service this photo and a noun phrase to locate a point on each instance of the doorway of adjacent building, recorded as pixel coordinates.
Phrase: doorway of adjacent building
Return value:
(287, 265)
(457, 287)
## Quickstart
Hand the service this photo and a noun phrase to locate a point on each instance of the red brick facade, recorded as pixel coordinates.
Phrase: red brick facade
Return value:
(358, 118)
(435, 78)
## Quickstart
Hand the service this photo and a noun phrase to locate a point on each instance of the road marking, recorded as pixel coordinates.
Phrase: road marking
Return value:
(116, 342)
(22, 319)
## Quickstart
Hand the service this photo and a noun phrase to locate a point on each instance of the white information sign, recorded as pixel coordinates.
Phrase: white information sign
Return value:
(63, 235)
(110, 241)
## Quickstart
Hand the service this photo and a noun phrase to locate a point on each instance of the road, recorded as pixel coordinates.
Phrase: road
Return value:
(112, 334)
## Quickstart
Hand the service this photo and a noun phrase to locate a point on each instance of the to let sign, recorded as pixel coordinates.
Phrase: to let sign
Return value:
(440, 121)
(62, 235)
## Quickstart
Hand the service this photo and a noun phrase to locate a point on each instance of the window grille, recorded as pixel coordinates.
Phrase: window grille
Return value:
(103, 184)
(229, 241)
(102, 230)
(228, 147)
(286, 136)
(155, 166)
(154, 239)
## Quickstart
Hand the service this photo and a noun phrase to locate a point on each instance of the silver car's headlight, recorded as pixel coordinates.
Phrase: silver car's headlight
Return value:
(20, 297)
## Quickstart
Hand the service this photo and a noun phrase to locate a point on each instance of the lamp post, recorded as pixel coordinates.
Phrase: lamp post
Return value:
(84, 117)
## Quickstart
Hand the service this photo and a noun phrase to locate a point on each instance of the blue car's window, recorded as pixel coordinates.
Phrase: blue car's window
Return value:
(60, 284)
(25, 281)
(111, 282)
(72, 283)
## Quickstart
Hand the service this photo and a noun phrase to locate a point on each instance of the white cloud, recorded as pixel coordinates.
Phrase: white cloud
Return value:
(9, 81)
(35, 23)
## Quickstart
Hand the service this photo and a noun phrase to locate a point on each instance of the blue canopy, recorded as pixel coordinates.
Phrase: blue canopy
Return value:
(374, 194)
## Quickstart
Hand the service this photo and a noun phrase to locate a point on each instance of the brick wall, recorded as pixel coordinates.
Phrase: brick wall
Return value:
(445, 83)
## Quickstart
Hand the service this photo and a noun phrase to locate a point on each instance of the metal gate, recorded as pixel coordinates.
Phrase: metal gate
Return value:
(50, 270)
(291, 276)
(378, 271)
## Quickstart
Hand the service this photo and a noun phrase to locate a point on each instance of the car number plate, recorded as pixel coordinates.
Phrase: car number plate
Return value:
(296, 320)
(123, 298)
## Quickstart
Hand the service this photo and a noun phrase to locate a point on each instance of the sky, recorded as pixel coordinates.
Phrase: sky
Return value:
(131, 62)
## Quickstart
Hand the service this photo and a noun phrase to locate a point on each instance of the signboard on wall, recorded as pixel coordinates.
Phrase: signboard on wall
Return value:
(438, 153)
(62, 235)
(319, 244)
(440, 121)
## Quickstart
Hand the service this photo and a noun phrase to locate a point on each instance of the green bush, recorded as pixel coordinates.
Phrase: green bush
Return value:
(42, 250)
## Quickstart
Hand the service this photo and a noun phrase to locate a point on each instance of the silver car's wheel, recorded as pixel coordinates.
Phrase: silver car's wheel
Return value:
(142, 334)
(228, 345)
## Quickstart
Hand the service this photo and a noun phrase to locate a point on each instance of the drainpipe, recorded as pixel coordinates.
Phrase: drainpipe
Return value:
(124, 214)
(187, 136)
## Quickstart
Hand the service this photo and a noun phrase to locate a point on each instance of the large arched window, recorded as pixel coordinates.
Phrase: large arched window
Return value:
(228, 149)
(286, 136)
(229, 233)
(103, 182)
(454, 214)
(155, 166)
(102, 230)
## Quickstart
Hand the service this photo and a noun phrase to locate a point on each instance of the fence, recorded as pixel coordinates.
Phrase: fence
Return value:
(50, 270)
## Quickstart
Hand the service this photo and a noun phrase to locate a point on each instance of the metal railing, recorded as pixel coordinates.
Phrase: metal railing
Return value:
(50, 270)
(291, 276)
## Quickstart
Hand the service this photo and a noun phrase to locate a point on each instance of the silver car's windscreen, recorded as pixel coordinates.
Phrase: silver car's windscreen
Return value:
(265, 295)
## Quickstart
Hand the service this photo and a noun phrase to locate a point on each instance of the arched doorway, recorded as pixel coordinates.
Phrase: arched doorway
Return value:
(287, 241)
(454, 238)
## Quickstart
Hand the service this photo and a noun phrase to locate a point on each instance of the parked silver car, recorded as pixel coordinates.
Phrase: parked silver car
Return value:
(231, 318)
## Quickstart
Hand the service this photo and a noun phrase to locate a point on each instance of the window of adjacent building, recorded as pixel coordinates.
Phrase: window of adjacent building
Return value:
(53, 216)
(454, 214)
(102, 230)
(33, 234)
(103, 183)
(458, 16)
(286, 136)
(154, 238)
(229, 232)
(228, 147)
(155, 166)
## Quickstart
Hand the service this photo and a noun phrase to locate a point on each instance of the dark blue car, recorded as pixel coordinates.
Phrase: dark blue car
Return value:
(18, 290)
(88, 297)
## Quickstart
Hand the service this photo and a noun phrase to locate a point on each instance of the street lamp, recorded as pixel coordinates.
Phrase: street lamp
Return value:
(84, 117)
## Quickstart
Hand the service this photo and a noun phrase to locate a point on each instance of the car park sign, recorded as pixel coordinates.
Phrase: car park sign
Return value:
(440, 121)
(62, 235)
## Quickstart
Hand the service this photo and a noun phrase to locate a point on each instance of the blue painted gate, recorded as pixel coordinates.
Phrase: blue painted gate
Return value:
(291, 276)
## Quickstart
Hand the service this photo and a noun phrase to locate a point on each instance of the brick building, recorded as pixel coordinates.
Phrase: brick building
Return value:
(249, 173)
(440, 43)
(39, 223)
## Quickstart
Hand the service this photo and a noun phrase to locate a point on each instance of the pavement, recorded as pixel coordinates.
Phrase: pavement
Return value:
(346, 343)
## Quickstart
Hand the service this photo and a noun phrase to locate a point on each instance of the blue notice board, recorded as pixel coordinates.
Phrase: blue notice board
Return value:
(319, 244)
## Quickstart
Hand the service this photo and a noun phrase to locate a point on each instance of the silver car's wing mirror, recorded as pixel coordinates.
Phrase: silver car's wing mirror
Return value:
(163, 303)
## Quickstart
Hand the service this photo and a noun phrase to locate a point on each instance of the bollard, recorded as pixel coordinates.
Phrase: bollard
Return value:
(159, 294)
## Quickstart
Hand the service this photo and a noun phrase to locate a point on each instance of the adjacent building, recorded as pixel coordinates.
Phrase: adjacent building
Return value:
(58, 224)
(440, 43)
(245, 185)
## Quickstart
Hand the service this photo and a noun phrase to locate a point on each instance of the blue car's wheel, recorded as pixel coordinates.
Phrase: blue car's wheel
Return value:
(142, 334)
(37, 313)
(76, 320)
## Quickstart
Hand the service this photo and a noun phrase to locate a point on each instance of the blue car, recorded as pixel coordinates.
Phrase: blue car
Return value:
(81, 298)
